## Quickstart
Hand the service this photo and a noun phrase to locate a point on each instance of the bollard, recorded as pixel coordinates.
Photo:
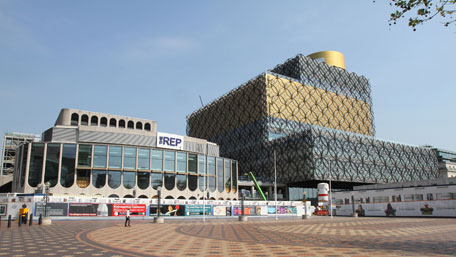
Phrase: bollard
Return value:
(31, 218)
(9, 221)
(0, 221)
(39, 220)
(20, 221)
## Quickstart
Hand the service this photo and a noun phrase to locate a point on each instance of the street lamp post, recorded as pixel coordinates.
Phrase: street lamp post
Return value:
(330, 189)
(159, 219)
(275, 185)
(46, 197)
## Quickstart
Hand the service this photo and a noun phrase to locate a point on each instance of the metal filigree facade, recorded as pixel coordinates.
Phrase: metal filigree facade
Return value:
(319, 121)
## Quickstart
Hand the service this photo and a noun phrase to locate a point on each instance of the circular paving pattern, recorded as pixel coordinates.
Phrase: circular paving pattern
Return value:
(319, 236)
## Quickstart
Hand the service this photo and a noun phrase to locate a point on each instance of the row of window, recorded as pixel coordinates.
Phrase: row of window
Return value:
(144, 180)
(401, 198)
(61, 160)
(103, 122)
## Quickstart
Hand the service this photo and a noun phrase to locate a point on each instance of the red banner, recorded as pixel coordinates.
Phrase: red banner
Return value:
(135, 209)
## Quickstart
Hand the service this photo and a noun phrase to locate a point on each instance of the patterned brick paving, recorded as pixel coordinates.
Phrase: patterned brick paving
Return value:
(319, 236)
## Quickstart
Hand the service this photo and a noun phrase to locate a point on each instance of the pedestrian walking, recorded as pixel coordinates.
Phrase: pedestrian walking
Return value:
(127, 218)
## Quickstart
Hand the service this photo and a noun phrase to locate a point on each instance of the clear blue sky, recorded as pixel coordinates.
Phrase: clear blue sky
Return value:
(152, 59)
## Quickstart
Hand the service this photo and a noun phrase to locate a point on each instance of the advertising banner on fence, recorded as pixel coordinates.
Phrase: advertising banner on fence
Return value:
(191, 210)
(103, 209)
(52, 209)
(282, 210)
(249, 210)
(121, 209)
(219, 211)
(168, 210)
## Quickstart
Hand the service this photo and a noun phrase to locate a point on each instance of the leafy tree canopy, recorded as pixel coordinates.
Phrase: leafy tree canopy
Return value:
(420, 11)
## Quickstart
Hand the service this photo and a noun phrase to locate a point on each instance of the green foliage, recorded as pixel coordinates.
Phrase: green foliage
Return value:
(420, 11)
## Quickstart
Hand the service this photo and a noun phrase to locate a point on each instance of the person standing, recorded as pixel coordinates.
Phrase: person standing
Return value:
(127, 218)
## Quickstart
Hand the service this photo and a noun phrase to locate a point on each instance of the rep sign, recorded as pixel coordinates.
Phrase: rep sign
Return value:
(171, 141)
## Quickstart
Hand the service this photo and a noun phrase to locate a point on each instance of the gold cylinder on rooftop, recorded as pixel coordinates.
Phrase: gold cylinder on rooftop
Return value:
(332, 58)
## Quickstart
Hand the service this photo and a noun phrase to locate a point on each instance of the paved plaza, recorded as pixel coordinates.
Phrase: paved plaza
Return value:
(318, 236)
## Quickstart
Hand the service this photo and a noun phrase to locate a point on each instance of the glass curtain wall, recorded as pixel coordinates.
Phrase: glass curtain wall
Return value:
(68, 165)
(114, 178)
(227, 176)
(24, 163)
(98, 178)
(115, 157)
(181, 162)
(100, 156)
(157, 160)
(143, 159)
(211, 172)
(51, 172)
(156, 180)
(36, 165)
(220, 185)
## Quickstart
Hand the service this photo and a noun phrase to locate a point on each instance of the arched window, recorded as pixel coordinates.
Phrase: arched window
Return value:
(74, 119)
(192, 198)
(113, 196)
(104, 122)
(181, 198)
(84, 120)
(147, 127)
(121, 124)
(94, 121)
(112, 123)
(170, 180)
(143, 196)
(128, 196)
(139, 125)
(181, 182)
(131, 124)
(192, 182)
(169, 197)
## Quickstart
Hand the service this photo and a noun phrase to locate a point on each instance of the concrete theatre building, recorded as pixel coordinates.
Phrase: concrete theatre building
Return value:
(96, 154)
(317, 119)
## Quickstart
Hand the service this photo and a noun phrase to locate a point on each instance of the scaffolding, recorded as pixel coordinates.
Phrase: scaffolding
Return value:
(10, 142)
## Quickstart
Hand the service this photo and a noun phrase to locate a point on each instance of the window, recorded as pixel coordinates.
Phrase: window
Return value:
(211, 184)
(157, 160)
(94, 121)
(202, 184)
(36, 165)
(84, 155)
(211, 165)
(74, 119)
(234, 176)
(84, 120)
(143, 159)
(220, 185)
(98, 178)
(51, 173)
(143, 180)
(170, 181)
(121, 124)
(192, 163)
(68, 162)
(147, 127)
(131, 124)
(104, 122)
(114, 177)
(100, 156)
(192, 182)
(139, 125)
(181, 182)
(112, 123)
(83, 178)
(129, 179)
(169, 160)
(181, 162)
(429, 197)
(24, 154)
(115, 157)
(129, 158)
(156, 180)
(201, 164)
(227, 176)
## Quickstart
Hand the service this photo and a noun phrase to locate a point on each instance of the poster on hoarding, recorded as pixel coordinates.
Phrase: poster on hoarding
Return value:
(83, 209)
(168, 210)
(219, 211)
(52, 209)
(249, 210)
(121, 209)
(3, 209)
(191, 210)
